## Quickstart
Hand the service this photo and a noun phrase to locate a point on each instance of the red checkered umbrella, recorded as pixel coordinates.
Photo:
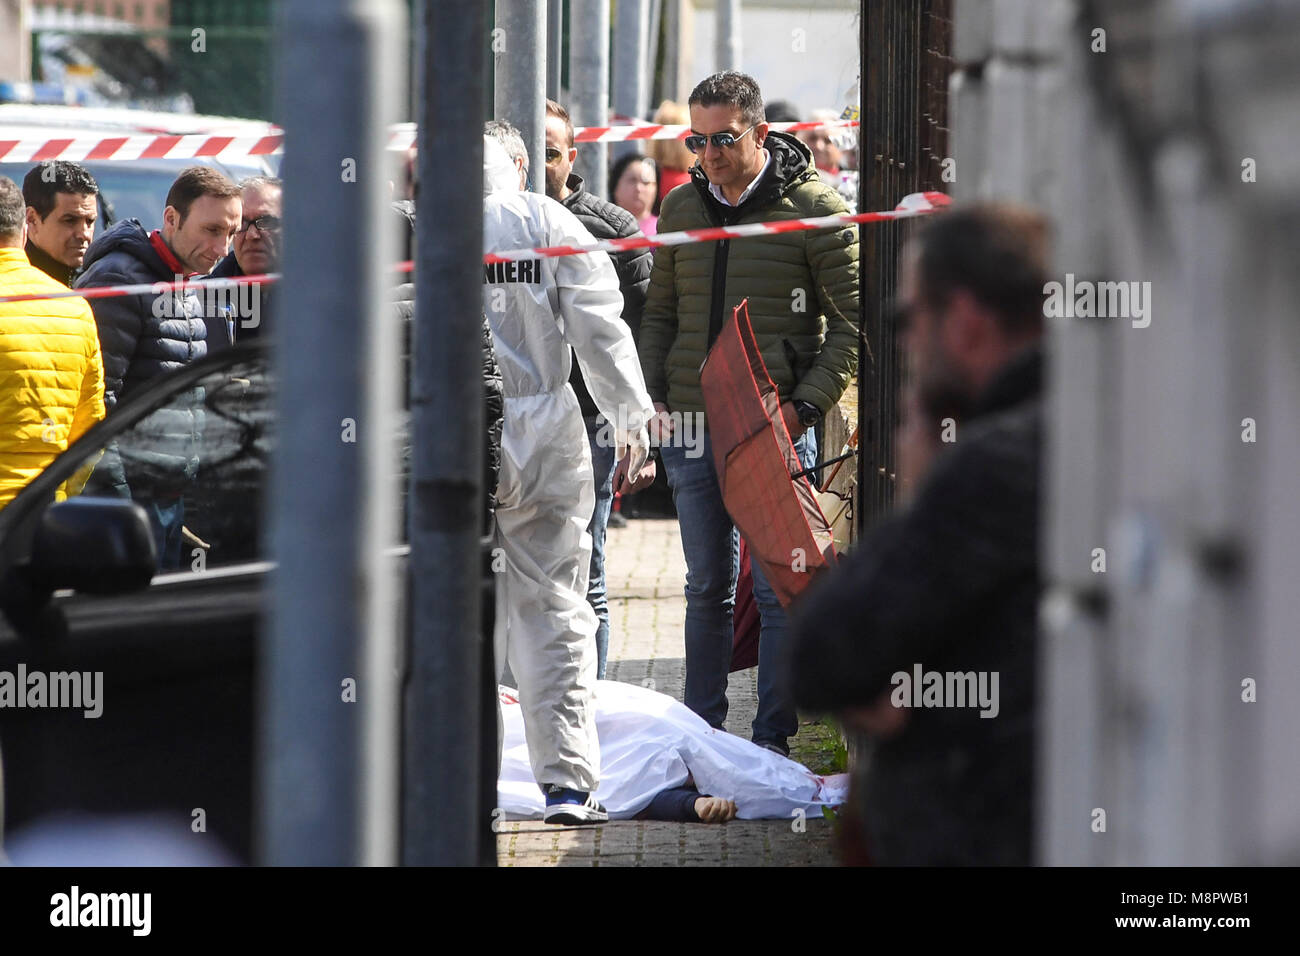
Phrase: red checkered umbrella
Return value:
(754, 454)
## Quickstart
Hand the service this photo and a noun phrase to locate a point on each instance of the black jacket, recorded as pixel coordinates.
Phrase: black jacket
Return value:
(950, 583)
(493, 400)
(604, 220)
(51, 266)
(802, 287)
(246, 324)
(140, 336)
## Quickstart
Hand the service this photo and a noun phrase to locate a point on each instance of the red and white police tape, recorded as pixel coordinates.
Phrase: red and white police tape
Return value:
(143, 146)
(915, 204)
(210, 146)
(619, 134)
(402, 136)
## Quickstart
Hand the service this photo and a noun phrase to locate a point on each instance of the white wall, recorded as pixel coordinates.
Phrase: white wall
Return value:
(15, 42)
(816, 78)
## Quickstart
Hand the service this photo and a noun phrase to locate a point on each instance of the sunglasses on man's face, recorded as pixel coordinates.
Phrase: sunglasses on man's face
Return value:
(553, 155)
(696, 142)
(263, 224)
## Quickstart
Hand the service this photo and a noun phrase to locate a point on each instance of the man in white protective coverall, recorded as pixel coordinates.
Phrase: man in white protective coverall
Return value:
(545, 628)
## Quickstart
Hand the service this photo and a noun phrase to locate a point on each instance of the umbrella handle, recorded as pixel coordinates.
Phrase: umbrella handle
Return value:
(851, 443)
(818, 467)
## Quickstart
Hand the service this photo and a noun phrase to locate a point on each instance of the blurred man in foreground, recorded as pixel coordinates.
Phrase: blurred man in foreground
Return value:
(924, 636)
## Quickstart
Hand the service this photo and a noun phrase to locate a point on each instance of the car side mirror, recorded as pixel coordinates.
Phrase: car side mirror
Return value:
(94, 546)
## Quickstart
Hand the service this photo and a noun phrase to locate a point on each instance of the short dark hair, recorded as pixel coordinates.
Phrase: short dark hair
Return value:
(996, 251)
(45, 180)
(731, 88)
(559, 112)
(196, 181)
(12, 208)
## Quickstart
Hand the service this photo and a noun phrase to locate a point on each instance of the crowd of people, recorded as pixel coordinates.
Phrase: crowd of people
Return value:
(594, 362)
(70, 361)
(948, 583)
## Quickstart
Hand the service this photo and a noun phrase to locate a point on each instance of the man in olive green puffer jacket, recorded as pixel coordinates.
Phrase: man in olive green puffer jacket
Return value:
(803, 304)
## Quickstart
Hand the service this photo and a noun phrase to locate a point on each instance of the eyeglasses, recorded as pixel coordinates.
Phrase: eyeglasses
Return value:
(263, 224)
(720, 140)
(553, 155)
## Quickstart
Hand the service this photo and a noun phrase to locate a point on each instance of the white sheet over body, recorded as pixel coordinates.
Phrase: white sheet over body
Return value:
(650, 742)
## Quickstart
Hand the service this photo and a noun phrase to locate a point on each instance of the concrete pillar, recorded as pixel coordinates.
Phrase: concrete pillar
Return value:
(589, 59)
(520, 88)
(15, 42)
(727, 48)
(632, 65)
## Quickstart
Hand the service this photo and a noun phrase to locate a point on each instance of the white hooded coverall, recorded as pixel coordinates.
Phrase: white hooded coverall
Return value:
(537, 309)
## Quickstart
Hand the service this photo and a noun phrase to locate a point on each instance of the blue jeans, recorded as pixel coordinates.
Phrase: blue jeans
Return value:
(711, 546)
(602, 467)
(166, 518)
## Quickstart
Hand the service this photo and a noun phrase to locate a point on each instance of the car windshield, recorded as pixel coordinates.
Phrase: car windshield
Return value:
(197, 465)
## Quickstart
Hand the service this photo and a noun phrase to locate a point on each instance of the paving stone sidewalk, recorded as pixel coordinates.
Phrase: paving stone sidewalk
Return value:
(645, 574)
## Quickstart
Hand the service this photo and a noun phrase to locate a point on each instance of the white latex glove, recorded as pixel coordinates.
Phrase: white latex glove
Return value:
(637, 445)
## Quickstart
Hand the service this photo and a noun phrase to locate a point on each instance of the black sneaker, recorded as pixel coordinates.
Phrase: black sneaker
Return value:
(616, 520)
(572, 807)
(776, 748)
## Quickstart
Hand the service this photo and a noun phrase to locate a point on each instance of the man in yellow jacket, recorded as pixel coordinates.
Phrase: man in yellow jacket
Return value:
(51, 374)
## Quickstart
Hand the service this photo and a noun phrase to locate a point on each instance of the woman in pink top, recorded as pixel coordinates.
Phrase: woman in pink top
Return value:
(635, 186)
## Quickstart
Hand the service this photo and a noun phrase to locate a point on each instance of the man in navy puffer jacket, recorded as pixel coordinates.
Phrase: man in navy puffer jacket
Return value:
(143, 336)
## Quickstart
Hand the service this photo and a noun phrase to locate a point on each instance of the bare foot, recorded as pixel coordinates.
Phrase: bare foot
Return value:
(715, 809)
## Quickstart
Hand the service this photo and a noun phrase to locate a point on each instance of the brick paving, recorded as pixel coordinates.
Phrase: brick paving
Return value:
(645, 573)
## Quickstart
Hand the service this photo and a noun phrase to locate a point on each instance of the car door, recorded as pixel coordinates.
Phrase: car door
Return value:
(177, 661)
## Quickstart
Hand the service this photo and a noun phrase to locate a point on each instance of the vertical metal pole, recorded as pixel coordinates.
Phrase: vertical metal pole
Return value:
(589, 61)
(653, 93)
(328, 757)
(442, 816)
(631, 67)
(727, 36)
(521, 78)
(555, 49)
(672, 50)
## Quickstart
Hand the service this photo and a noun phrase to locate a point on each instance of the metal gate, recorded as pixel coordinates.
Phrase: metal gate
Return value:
(906, 60)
